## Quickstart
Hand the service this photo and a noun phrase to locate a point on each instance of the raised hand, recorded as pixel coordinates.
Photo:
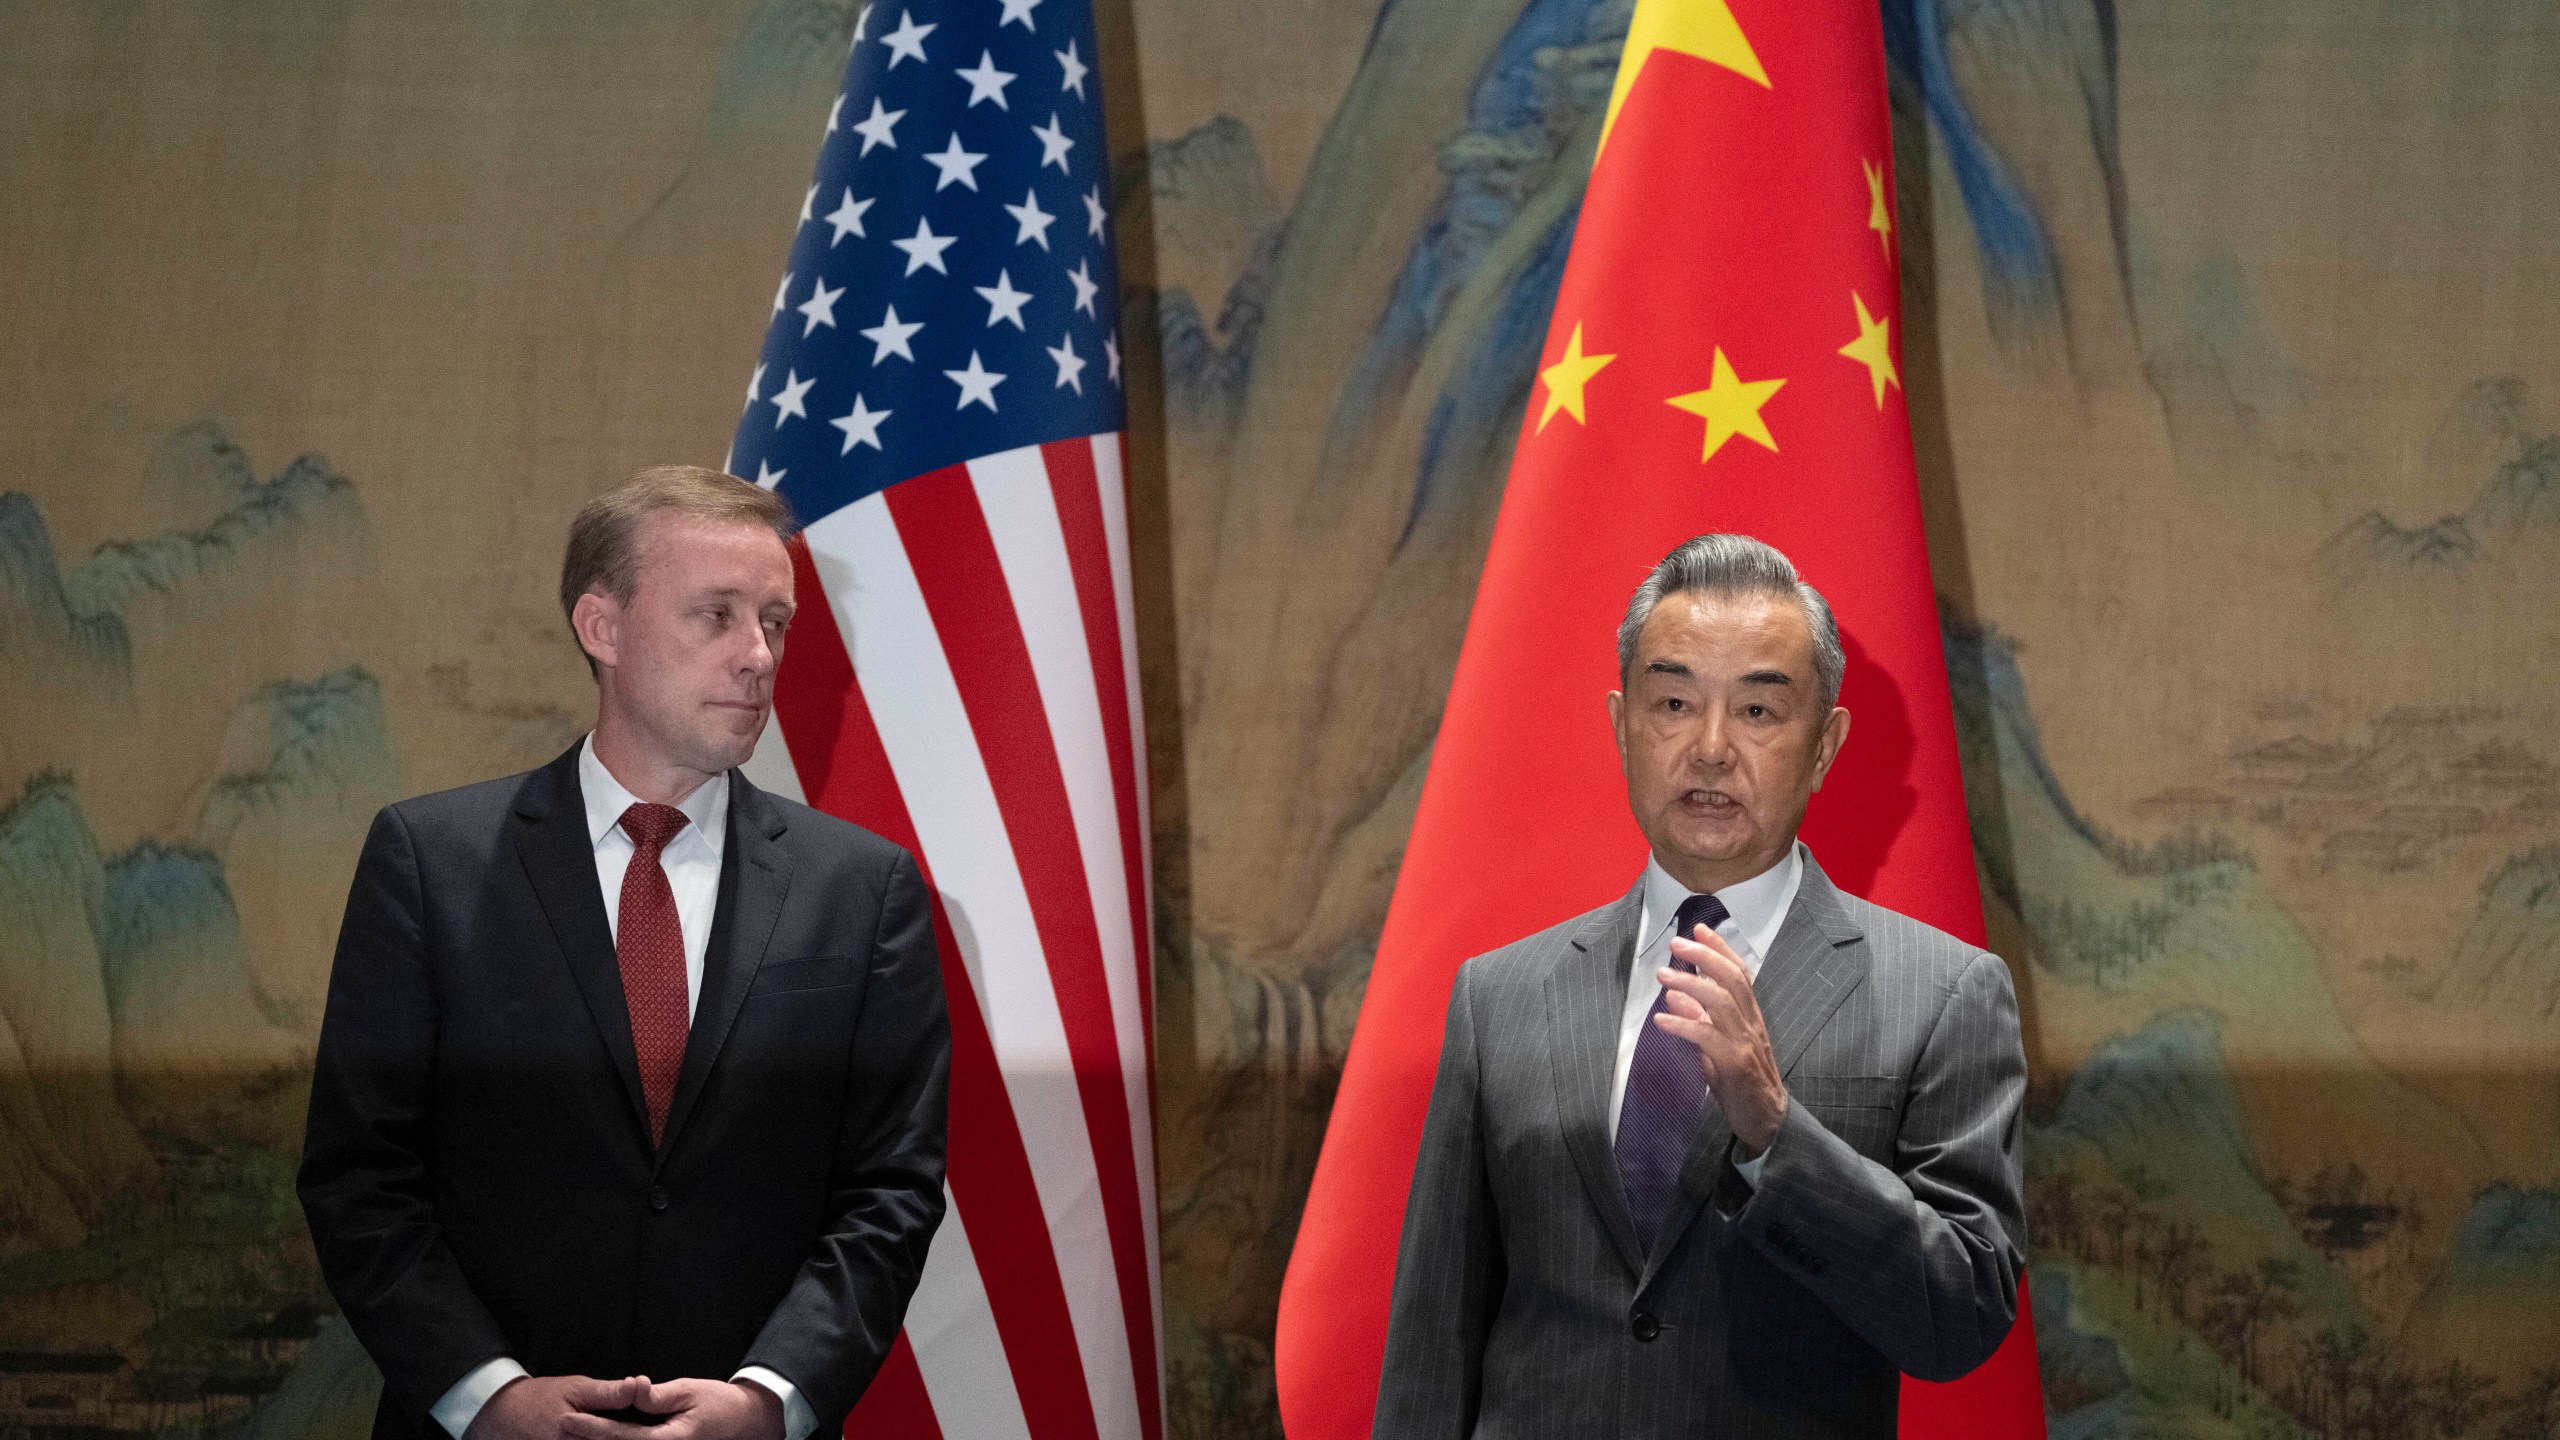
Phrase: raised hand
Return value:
(1715, 1011)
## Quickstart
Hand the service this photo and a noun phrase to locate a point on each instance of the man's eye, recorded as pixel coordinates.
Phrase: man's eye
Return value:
(1755, 711)
(1675, 703)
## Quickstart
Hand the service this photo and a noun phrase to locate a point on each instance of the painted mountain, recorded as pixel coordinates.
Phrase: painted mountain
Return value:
(159, 944)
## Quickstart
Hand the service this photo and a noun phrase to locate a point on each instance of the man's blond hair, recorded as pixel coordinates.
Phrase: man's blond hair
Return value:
(604, 539)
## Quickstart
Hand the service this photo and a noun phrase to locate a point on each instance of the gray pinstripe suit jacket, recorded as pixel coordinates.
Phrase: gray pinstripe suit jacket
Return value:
(1885, 1234)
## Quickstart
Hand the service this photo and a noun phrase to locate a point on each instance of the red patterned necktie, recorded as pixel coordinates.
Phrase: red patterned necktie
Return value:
(649, 942)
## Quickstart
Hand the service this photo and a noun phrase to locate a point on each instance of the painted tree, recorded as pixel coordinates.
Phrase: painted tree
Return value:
(2255, 1298)
(2394, 1404)
(2057, 1213)
(2116, 1212)
(2333, 1365)
(2458, 1397)
(2178, 1253)
(2536, 1412)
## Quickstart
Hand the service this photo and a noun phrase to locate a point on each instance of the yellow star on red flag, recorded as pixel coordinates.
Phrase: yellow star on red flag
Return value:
(1731, 406)
(1874, 348)
(1704, 28)
(1879, 214)
(1565, 379)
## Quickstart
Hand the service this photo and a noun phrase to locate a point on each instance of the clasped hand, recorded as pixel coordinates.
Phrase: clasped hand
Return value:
(573, 1407)
(1717, 1013)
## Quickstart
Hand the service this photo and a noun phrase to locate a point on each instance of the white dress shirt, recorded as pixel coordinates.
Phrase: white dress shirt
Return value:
(692, 863)
(1755, 910)
(691, 859)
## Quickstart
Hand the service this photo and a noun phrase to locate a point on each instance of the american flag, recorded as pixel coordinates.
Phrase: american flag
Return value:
(939, 398)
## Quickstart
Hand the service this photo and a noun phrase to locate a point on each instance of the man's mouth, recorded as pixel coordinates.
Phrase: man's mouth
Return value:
(1711, 801)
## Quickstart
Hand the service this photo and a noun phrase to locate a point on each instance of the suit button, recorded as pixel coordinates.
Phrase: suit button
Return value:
(658, 1197)
(1645, 1327)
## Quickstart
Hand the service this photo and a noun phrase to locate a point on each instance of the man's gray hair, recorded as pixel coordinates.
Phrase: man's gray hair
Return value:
(1725, 565)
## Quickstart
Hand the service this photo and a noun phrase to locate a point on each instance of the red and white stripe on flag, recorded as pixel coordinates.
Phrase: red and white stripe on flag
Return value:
(962, 679)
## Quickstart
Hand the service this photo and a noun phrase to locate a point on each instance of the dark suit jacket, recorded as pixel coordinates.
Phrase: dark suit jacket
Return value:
(1885, 1234)
(477, 1169)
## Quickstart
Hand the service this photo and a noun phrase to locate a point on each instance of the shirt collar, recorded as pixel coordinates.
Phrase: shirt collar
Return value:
(707, 807)
(1758, 906)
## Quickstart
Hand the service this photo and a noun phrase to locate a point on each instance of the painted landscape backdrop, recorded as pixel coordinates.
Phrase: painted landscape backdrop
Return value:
(2237, 398)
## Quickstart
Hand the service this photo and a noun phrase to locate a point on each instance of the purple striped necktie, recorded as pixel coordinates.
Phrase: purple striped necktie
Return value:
(1666, 1091)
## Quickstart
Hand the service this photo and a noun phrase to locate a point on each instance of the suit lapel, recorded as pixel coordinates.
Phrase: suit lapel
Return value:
(1587, 994)
(1814, 965)
(559, 857)
(1811, 967)
(755, 875)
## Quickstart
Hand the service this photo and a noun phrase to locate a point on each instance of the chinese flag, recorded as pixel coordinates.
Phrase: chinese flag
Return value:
(1722, 357)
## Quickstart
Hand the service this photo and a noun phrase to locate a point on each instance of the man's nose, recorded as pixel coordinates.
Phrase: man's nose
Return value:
(1710, 742)
(761, 659)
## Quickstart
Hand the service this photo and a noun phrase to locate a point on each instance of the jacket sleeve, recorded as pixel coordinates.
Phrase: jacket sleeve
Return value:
(1449, 1269)
(1923, 1259)
(835, 1325)
(367, 1150)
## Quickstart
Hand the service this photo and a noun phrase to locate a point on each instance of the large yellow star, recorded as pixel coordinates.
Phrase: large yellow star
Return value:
(1879, 214)
(1730, 405)
(1704, 28)
(1874, 349)
(1567, 376)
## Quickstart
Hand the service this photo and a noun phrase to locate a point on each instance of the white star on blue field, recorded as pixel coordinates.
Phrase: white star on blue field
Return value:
(929, 316)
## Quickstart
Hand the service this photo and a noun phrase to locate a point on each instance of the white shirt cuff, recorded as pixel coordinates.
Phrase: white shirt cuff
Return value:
(799, 1422)
(1750, 1174)
(461, 1404)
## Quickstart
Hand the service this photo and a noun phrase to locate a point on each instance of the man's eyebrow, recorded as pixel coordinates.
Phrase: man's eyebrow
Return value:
(1768, 677)
(1668, 667)
(732, 592)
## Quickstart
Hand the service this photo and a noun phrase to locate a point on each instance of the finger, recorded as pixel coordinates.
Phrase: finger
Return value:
(1717, 960)
(1712, 998)
(1739, 1038)
(1707, 938)
(669, 1398)
(1709, 966)
(584, 1392)
(1740, 1043)
(1713, 992)
(581, 1425)
(1701, 1037)
(1682, 1004)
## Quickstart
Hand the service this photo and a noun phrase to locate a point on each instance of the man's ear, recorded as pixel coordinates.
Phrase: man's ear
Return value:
(1618, 723)
(1835, 733)
(597, 622)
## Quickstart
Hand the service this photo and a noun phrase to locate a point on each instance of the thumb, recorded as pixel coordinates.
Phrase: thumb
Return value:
(664, 1399)
(584, 1393)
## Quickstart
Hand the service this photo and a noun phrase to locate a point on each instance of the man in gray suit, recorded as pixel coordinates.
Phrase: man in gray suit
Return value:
(1722, 1157)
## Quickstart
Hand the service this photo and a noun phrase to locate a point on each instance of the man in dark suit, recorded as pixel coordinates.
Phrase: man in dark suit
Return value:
(630, 1090)
(1722, 1157)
